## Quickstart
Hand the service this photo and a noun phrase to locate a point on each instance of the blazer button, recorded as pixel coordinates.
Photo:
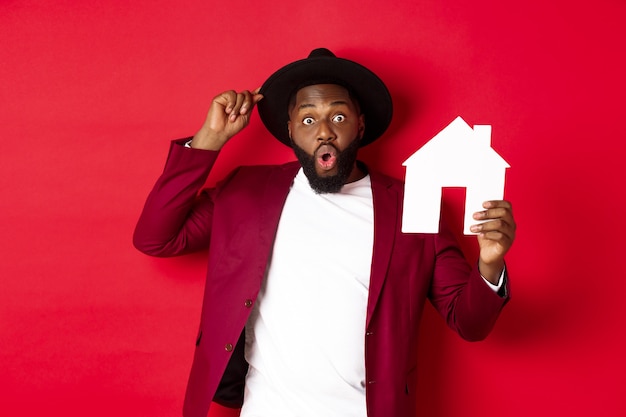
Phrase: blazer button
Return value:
(228, 347)
(248, 303)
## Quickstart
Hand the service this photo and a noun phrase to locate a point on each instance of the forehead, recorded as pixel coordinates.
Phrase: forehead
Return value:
(319, 93)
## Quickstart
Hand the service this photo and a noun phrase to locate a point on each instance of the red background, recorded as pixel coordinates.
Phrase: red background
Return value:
(91, 93)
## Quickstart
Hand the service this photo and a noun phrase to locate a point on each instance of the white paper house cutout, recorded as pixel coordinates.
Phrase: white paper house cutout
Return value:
(458, 156)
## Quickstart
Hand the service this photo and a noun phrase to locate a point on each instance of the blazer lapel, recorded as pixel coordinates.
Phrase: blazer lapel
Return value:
(274, 195)
(385, 218)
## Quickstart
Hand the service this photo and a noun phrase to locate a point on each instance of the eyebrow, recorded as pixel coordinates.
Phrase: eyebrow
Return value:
(334, 103)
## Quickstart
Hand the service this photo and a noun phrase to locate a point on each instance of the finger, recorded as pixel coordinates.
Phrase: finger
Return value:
(495, 229)
(239, 103)
(494, 213)
(249, 101)
(227, 99)
(256, 96)
(493, 225)
(495, 209)
(498, 237)
(498, 203)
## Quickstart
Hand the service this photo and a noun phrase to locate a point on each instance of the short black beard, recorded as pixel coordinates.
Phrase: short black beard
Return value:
(333, 183)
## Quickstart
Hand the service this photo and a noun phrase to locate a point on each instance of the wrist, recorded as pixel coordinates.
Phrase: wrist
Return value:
(491, 271)
(207, 140)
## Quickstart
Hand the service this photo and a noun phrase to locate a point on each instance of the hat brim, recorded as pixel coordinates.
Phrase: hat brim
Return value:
(370, 91)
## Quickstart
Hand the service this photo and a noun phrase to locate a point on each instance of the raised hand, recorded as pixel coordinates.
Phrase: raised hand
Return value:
(495, 237)
(228, 114)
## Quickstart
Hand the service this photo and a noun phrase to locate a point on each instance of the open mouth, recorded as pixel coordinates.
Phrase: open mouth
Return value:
(326, 157)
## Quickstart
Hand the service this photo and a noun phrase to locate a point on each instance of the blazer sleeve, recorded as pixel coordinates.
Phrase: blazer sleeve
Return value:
(459, 293)
(176, 219)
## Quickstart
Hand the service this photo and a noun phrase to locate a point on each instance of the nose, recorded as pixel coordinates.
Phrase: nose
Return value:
(325, 132)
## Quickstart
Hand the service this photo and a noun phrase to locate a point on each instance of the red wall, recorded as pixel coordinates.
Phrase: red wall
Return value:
(91, 93)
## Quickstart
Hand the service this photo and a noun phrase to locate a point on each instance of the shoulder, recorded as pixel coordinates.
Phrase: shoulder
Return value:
(261, 173)
(255, 178)
(268, 169)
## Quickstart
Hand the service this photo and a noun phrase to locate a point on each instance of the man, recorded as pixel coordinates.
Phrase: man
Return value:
(310, 279)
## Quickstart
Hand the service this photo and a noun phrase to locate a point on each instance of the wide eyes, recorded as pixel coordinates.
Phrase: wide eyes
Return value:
(308, 121)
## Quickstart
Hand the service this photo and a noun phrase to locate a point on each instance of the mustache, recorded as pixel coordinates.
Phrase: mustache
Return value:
(354, 144)
(331, 144)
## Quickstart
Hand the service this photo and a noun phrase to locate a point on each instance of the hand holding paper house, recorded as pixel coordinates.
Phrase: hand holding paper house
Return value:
(458, 156)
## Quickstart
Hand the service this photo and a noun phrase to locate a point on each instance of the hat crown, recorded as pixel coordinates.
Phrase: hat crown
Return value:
(321, 53)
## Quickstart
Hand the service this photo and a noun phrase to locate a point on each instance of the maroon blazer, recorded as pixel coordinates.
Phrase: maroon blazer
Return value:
(237, 220)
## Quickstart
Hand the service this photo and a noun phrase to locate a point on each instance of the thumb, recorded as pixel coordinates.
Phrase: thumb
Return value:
(256, 97)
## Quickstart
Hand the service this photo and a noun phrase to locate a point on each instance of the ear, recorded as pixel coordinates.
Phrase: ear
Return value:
(289, 128)
(361, 126)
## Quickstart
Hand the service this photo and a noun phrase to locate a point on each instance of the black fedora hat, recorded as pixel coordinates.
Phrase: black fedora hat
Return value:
(323, 67)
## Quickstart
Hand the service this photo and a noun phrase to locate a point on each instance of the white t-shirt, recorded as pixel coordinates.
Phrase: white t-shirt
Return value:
(306, 334)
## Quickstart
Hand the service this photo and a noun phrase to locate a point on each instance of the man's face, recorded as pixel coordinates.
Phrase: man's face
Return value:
(326, 126)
